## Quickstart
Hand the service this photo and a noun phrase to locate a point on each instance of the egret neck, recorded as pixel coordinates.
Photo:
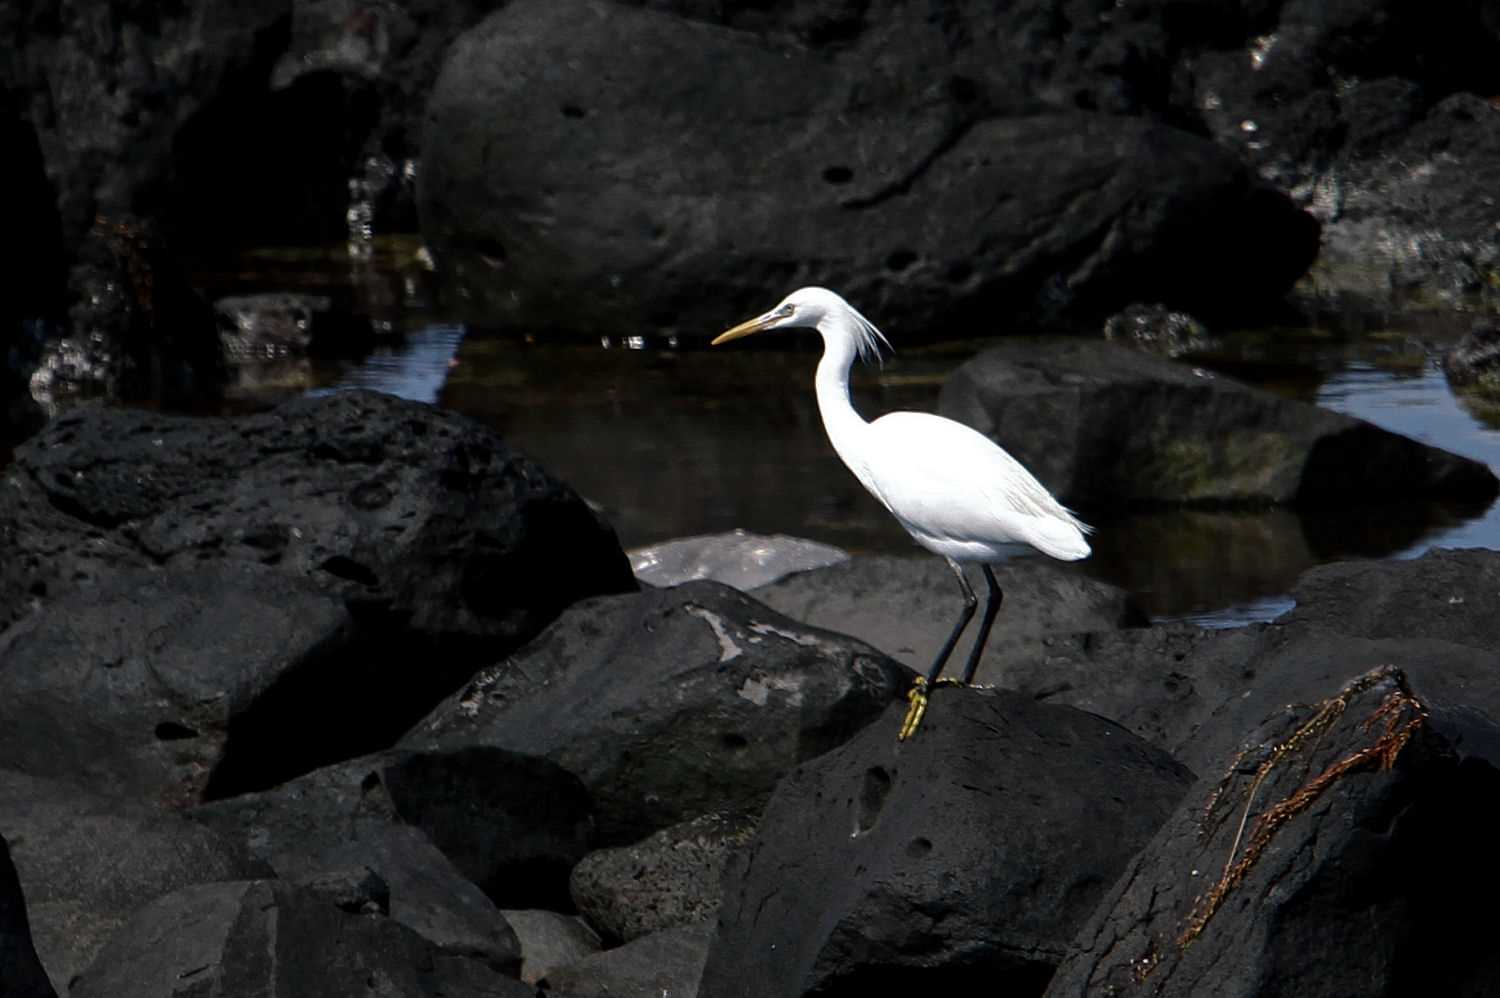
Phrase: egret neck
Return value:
(843, 423)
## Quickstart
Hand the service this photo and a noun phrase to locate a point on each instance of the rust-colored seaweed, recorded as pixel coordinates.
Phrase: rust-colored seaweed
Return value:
(1399, 715)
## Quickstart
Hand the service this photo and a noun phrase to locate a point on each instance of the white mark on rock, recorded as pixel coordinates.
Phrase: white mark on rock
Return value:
(758, 690)
(805, 640)
(728, 650)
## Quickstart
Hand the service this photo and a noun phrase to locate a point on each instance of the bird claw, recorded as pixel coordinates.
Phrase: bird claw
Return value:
(917, 697)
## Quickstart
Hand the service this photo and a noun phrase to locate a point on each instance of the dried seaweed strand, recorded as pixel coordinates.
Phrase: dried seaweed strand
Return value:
(1402, 714)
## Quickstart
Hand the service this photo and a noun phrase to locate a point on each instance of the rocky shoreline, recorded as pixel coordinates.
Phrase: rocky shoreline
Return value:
(349, 690)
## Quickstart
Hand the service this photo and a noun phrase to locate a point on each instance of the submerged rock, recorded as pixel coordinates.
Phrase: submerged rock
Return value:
(1107, 427)
(671, 703)
(963, 859)
(1157, 329)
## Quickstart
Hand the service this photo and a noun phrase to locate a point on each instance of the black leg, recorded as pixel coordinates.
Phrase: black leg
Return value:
(991, 607)
(958, 628)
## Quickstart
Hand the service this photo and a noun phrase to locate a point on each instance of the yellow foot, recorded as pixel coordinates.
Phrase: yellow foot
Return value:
(917, 697)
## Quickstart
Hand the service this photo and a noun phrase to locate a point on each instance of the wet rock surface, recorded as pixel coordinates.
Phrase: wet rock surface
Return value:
(1108, 427)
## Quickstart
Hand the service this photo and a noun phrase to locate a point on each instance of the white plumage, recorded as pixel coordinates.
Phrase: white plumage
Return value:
(955, 491)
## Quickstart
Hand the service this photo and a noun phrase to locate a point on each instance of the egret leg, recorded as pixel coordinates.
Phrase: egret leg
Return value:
(917, 696)
(991, 607)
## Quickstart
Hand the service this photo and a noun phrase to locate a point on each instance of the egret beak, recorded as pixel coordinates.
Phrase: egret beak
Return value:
(755, 325)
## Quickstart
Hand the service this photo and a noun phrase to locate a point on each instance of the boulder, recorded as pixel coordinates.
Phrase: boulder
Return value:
(509, 825)
(712, 169)
(1158, 330)
(271, 938)
(669, 878)
(87, 861)
(670, 703)
(1471, 363)
(907, 606)
(1198, 693)
(963, 859)
(1337, 853)
(21, 973)
(165, 685)
(275, 325)
(743, 560)
(441, 542)
(549, 940)
(668, 962)
(1107, 427)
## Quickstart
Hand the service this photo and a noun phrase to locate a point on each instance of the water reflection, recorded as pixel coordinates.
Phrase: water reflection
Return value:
(672, 440)
(678, 442)
(415, 368)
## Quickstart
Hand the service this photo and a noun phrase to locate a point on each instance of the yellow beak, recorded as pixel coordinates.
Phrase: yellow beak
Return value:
(745, 329)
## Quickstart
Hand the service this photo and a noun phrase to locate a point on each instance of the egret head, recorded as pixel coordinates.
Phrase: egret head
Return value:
(820, 309)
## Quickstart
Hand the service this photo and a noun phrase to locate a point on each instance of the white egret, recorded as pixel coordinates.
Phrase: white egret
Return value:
(955, 491)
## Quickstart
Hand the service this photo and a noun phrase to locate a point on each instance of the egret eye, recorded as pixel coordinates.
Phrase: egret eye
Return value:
(785, 311)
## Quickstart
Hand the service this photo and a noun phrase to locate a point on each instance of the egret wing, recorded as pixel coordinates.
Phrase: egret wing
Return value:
(951, 483)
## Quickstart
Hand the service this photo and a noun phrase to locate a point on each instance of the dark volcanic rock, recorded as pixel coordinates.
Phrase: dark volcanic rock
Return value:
(668, 962)
(1105, 427)
(431, 527)
(1474, 362)
(907, 606)
(275, 325)
(549, 940)
(21, 973)
(1339, 855)
(1157, 329)
(671, 703)
(1198, 693)
(268, 938)
(1428, 616)
(509, 824)
(962, 860)
(710, 165)
(87, 861)
(1444, 595)
(670, 878)
(154, 684)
